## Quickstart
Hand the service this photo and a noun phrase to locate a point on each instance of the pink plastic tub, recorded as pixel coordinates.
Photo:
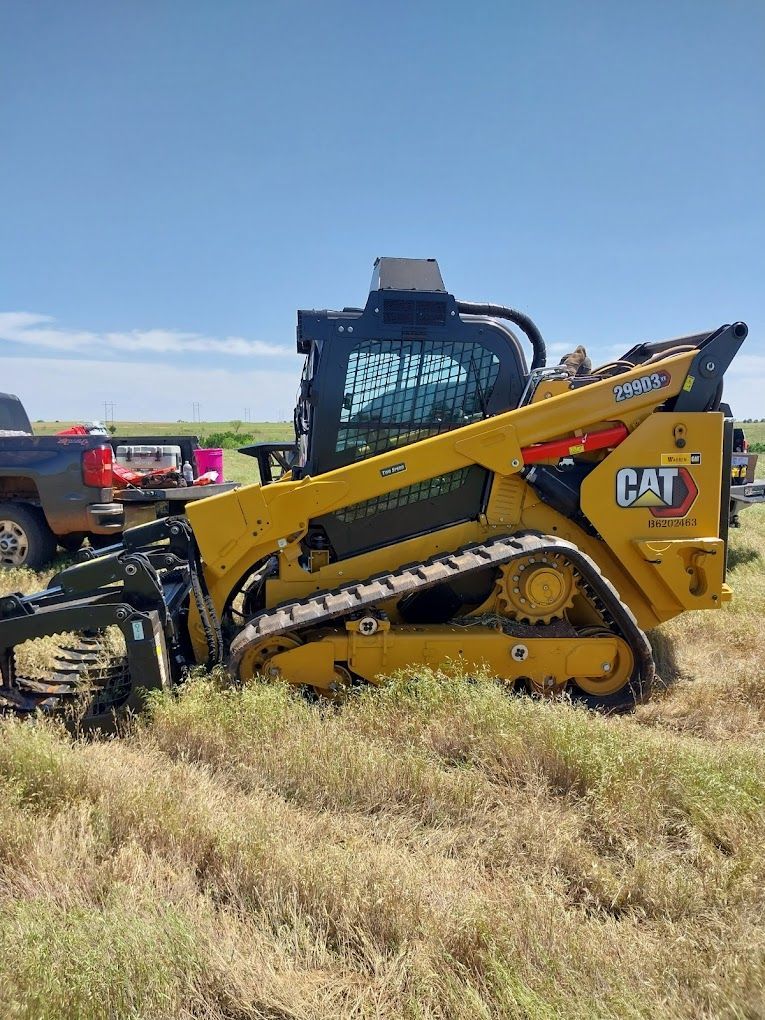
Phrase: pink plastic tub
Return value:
(209, 460)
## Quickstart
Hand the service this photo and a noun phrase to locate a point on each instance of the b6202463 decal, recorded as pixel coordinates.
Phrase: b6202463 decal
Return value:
(644, 384)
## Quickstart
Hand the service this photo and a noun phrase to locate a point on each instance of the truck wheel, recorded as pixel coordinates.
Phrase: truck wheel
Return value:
(25, 538)
(71, 543)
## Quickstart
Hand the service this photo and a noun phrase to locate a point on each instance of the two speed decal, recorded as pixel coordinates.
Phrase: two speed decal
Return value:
(644, 384)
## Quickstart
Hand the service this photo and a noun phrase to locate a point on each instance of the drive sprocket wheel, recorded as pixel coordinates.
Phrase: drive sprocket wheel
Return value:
(536, 589)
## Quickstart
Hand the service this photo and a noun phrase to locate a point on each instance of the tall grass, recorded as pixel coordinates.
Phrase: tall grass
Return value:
(434, 849)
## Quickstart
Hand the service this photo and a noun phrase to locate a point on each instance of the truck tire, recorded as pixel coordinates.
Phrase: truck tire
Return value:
(25, 538)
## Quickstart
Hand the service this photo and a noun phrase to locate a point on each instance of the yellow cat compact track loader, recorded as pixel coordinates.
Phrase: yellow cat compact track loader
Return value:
(441, 503)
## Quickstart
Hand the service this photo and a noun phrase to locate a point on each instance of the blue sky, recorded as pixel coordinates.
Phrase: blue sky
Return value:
(179, 176)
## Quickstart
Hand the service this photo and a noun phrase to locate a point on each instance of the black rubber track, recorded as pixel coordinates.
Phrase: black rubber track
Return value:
(319, 609)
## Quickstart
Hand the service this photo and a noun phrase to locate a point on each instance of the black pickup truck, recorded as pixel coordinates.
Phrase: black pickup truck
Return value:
(54, 490)
(60, 490)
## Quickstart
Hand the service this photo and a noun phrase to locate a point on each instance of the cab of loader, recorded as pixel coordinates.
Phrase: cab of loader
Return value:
(413, 363)
(406, 366)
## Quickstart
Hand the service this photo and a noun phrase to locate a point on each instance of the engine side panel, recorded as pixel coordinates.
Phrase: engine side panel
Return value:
(655, 501)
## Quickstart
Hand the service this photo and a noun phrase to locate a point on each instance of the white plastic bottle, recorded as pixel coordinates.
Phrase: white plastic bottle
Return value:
(188, 473)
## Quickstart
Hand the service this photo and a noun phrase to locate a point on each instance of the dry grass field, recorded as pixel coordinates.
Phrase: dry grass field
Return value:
(434, 849)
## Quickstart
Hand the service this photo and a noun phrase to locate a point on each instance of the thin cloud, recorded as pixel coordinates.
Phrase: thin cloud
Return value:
(748, 365)
(40, 331)
(72, 389)
(68, 388)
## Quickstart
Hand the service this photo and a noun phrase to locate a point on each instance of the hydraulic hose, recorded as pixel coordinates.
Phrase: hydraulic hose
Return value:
(520, 319)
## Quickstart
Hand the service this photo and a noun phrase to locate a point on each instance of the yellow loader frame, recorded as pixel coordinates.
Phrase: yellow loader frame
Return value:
(662, 551)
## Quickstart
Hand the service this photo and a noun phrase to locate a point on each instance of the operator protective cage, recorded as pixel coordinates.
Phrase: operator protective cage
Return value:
(408, 365)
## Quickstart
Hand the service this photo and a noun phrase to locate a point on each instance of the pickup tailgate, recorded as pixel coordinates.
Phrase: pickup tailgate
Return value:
(61, 474)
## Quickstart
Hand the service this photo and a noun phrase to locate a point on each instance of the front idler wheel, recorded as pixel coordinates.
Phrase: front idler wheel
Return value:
(618, 692)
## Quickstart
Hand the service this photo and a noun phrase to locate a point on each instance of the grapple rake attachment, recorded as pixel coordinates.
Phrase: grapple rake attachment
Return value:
(142, 587)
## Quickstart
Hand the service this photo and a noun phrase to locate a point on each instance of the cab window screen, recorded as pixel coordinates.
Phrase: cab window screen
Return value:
(408, 312)
(397, 392)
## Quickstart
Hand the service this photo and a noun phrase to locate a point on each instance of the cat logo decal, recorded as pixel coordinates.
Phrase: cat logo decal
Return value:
(665, 491)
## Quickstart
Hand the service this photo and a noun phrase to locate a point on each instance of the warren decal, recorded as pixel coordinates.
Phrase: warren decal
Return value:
(665, 491)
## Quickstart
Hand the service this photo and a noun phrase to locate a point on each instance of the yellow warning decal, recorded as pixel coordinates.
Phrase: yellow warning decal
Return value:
(576, 449)
(161, 660)
(678, 459)
(688, 384)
